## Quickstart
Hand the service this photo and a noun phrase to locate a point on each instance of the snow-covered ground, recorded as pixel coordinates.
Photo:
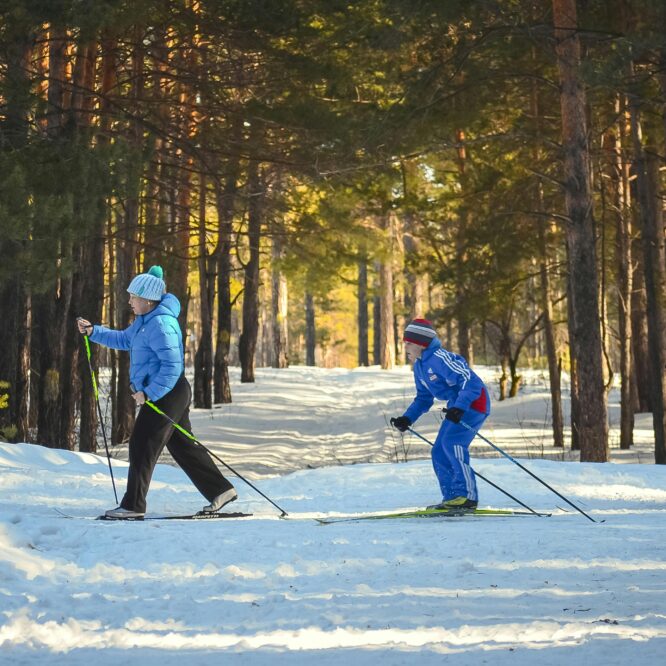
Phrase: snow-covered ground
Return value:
(264, 590)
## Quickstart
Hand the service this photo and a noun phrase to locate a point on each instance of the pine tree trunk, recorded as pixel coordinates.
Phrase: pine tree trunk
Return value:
(639, 335)
(310, 330)
(248, 338)
(56, 79)
(279, 309)
(464, 335)
(619, 194)
(107, 82)
(92, 298)
(88, 295)
(55, 415)
(51, 313)
(549, 335)
(14, 295)
(376, 322)
(386, 329)
(363, 322)
(585, 325)
(14, 361)
(225, 198)
(178, 261)
(125, 269)
(387, 336)
(652, 230)
(545, 288)
(203, 358)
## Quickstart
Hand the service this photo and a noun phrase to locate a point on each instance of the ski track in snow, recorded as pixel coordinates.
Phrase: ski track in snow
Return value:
(262, 590)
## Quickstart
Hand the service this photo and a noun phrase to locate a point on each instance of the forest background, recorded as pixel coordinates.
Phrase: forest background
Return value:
(311, 174)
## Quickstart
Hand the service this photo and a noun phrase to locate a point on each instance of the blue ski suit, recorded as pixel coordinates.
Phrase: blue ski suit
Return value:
(446, 376)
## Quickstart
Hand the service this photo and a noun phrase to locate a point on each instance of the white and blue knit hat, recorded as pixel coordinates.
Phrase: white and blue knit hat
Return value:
(149, 285)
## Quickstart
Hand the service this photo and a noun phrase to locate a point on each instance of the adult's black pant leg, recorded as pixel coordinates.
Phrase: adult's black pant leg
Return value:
(196, 462)
(150, 433)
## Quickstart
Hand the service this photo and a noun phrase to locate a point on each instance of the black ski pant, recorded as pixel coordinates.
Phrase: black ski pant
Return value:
(152, 433)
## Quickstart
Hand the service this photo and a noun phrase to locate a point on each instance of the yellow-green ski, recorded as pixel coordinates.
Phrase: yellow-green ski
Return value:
(432, 513)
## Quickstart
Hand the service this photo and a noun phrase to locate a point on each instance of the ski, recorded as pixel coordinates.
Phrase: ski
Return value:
(200, 515)
(432, 513)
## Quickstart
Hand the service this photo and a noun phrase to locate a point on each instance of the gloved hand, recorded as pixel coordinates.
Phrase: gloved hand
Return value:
(454, 414)
(401, 422)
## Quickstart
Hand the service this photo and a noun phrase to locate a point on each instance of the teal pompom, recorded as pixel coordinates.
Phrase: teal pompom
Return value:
(156, 271)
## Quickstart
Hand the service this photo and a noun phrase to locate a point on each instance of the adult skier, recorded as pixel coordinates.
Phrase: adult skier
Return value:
(441, 374)
(155, 343)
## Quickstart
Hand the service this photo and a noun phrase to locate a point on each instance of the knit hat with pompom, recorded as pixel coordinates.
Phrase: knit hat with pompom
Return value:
(149, 285)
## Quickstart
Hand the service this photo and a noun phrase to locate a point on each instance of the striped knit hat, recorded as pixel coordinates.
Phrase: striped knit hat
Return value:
(149, 285)
(420, 332)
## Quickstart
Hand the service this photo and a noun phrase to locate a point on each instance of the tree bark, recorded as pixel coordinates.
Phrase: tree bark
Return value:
(639, 335)
(56, 81)
(386, 328)
(362, 321)
(652, 229)
(376, 322)
(584, 327)
(14, 294)
(310, 330)
(248, 338)
(225, 198)
(616, 168)
(88, 286)
(279, 309)
(14, 361)
(545, 288)
(55, 415)
(465, 348)
(203, 358)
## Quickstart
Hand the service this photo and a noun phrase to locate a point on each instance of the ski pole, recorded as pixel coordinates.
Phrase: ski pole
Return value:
(532, 474)
(99, 413)
(483, 478)
(180, 428)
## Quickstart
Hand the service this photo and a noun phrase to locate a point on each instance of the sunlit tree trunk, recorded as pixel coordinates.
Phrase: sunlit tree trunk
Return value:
(248, 338)
(546, 289)
(203, 359)
(387, 335)
(279, 309)
(616, 168)
(225, 195)
(362, 320)
(585, 331)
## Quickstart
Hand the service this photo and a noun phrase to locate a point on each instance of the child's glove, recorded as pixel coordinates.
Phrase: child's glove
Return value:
(454, 414)
(401, 423)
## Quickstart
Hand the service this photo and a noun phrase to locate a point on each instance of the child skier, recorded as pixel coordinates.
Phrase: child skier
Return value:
(155, 343)
(440, 374)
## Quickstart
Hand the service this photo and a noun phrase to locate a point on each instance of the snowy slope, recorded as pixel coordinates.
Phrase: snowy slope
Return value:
(268, 591)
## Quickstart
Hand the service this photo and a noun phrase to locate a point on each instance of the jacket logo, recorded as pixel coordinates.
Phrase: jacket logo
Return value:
(433, 378)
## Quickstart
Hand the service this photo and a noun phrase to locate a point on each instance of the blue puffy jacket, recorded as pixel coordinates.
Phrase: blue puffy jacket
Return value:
(155, 344)
(444, 375)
